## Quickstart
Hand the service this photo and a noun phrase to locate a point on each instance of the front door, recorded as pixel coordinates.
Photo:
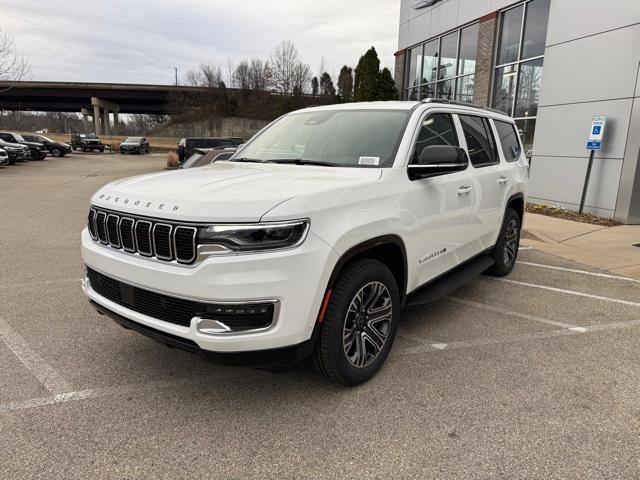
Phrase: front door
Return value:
(442, 206)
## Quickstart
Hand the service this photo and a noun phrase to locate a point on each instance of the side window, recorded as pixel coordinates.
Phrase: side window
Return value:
(480, 141)
(437, 129)
(6, 137)
(509, 140)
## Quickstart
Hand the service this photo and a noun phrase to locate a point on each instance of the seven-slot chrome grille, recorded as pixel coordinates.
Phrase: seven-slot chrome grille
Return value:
(147, 237)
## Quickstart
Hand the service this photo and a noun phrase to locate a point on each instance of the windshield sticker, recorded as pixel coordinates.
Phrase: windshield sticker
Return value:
(373, 161)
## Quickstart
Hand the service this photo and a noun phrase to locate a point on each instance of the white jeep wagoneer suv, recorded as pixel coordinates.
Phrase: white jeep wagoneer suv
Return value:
(309, 241)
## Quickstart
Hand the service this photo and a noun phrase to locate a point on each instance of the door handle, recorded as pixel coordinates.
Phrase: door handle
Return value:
(464, 190)
(502, 180)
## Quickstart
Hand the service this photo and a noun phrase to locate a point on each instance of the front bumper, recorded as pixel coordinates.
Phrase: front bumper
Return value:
(295, 278)
(4, 160)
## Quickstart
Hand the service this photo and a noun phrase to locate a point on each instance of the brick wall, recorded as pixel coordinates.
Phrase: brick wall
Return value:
(399, 70)
(484, 61)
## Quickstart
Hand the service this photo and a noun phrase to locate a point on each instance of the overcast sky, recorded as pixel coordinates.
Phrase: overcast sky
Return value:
(140, 41)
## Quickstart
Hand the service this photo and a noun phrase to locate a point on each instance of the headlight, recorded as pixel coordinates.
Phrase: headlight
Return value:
(255, 237)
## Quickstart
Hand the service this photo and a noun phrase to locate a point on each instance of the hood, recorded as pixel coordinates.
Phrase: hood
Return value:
(10, 145)
(225, 191)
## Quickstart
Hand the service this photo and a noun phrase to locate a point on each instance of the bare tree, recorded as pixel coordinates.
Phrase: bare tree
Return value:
(13, 66)
(259, 75)
(241, 76)
(301, 78)
(284, 61)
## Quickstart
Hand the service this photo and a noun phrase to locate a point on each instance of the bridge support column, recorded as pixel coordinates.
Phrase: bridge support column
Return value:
(106, 122)
(102, 106)
(116, 123)
(86, 113)
(97, 123)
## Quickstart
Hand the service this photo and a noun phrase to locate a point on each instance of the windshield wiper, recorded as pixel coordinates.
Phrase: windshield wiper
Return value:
(251, 160)
(302, 161)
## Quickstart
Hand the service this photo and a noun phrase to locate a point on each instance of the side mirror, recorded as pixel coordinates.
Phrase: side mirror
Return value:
(437, 160)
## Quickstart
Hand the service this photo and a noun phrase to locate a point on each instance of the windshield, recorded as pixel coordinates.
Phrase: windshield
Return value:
(18, 137)
(192, 161)
(133, 140)
(42, 138)
(341, 138)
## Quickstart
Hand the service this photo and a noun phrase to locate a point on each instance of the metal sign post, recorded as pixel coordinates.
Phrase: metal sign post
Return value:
(596, 135)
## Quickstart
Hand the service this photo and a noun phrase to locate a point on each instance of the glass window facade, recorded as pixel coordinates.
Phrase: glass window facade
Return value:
(519, 64)
(444, 67)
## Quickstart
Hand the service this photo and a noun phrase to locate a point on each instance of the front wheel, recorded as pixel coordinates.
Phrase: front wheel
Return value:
(359, 325)
(505, 252)
(56, 152)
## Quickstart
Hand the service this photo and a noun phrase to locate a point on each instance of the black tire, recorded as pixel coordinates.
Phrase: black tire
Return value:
(346, 335)
(83, 148)
(56, 152)
(34, 155)
(101, 149)
(505, 252)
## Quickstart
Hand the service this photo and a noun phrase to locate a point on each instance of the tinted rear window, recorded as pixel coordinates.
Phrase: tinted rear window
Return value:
(509, 140)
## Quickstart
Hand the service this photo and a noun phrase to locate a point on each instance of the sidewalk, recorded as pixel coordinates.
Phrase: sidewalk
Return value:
(606, 248)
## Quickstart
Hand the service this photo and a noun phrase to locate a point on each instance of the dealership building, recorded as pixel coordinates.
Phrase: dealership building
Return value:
(552, 65)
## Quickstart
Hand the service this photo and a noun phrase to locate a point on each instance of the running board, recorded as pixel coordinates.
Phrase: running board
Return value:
(449, 282)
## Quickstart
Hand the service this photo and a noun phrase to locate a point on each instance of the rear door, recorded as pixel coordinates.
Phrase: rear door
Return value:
(488, 176)
(441, 205)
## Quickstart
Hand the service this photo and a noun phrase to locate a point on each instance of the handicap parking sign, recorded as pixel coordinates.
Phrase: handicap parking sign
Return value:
(596, 135)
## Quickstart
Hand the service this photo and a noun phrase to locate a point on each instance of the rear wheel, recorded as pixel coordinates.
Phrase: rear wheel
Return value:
(505, 252)
(359, 325)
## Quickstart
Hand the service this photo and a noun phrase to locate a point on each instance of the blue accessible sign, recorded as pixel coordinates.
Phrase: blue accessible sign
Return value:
(596, 134)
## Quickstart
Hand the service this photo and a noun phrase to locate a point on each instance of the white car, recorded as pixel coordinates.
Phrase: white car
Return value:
(310, 240)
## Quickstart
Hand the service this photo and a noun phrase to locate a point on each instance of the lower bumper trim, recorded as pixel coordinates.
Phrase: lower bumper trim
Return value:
(274, 358)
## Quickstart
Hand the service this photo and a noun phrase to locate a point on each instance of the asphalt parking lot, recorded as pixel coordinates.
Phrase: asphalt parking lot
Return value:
(532, 376)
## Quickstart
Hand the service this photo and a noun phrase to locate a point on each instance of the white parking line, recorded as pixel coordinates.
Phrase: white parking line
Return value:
(428, 348)
(568, 292)
(511, 313)
(49, 378)
(582, 272)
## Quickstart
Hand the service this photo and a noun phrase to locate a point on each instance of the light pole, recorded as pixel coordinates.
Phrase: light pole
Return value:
(176, 69)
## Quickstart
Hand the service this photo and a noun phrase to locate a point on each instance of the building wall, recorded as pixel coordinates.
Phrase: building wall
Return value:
(419, 25)
(592, 60)
(591, 67)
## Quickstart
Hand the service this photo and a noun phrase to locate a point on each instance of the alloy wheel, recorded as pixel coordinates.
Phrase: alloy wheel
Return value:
(367, 324)
(511, 242)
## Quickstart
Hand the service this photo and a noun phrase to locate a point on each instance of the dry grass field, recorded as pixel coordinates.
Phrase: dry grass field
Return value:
(158, 144)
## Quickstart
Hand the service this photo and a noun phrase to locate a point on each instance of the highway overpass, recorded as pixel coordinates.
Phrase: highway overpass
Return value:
(95, 100)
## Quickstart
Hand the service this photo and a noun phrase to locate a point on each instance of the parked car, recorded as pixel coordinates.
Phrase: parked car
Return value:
(86, 142)
(56, 149)
(188, 144)
(44, 130)
(4, 157)
(137, 145)
(207, 156)
(312, 237)
(16, 152)
(37, 150)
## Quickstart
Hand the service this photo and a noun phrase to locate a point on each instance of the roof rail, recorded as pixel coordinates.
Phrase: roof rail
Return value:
(462, 104)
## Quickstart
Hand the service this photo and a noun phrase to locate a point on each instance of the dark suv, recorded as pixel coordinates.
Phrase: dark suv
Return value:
(37, 150)
(85, 142)
(56, 149)
(16, 152)
(138, 145)
(187, 145)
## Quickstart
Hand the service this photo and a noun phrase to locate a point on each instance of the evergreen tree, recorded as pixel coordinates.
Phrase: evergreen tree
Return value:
(315, 86)
(386, 86)
(345, 84)
(367, 77)
(326, 85)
